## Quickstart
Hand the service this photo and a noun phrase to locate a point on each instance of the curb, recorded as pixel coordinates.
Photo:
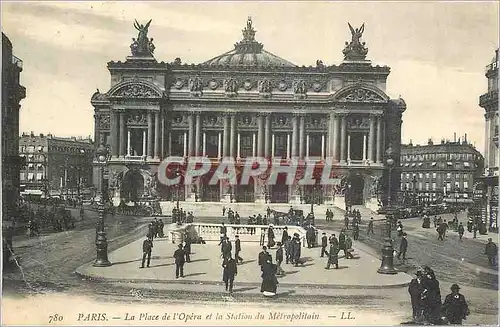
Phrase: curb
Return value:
(254, 284)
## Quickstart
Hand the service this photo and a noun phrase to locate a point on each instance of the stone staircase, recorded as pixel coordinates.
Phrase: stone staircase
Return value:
(214, 209)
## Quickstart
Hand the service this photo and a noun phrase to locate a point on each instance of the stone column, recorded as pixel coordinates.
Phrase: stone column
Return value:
(114, 133)
(267, 145)
(335, 134)
(260, 137)
(329, 136)
(295, 134)
(379, 139)
(348, 146)
(364, 147)
(150, 134)
(191, 135)
(272, 146)
(302, 136)
(157, 135)
(322, 145)
(231, 136)
(343, 137)
(287, 145)
(219, 146)
(254, 149)
(370, 138)
(197, 136)
(225, 144)
(238, 148)
(185, 145)
(204, 144)
(307, 146)
(123, 150)
(144, 137)
(170, 143)
(128, 143)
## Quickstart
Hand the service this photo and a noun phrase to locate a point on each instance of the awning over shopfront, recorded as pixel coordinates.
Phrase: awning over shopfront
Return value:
(32, 192)
(451, 201)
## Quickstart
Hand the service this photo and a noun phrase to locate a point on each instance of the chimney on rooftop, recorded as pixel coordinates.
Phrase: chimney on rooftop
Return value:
(465, 138)
(429, 142)
(454, 137)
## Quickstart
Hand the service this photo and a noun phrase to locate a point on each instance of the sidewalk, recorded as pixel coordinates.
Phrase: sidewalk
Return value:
(205, 268)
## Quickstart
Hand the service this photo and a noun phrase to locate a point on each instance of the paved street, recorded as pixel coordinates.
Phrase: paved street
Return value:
(461, 262)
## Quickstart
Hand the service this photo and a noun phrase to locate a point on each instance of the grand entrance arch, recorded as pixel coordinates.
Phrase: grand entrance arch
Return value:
(355, 184)
(132, 186)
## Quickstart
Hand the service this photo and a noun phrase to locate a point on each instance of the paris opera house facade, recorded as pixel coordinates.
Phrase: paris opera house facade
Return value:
(244, 103)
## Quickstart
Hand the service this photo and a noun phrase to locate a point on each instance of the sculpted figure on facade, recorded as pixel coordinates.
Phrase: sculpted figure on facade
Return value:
(355, 50)
(265, 87)
(104, 121)
(135, 91)
(137, 118)
(358, 123)
(142, 45)
(231, 86)
(196, 86)
(356, 33)
(299, 88)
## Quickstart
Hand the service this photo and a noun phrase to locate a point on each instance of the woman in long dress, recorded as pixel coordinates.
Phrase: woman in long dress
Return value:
(269, 280)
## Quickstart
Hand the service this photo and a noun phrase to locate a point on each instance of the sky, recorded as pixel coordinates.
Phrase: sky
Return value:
(437, 51)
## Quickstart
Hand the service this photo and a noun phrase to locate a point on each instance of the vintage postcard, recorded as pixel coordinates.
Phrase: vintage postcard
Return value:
(249, 163)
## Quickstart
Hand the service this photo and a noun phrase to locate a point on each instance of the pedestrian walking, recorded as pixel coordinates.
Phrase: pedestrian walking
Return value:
(279, 259)
(264, 256)
(431, 297)
(223, 211)
(474, 229)
(223, 233)
(147, 247)
(455, 307)
(187, 248)
(415, 288)
(296, 249)
(230, 270)
(180, 258)
(342, 245)
(400, 229)
(355, 232)
(161, 233)
(491, 250)
(324, 244)
(461, 231)
(226, 248)
(370, 227)
(441, 230)
(333, 240)
(151, 231)
(237, 249)
(284, 236)
(403, 247)
(346, 221)
(288, 250)
(269, 281)
(270, 237)
(333, 256)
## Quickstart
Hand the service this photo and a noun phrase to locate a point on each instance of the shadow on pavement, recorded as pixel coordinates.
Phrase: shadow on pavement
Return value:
(195, 274)
(124, 262)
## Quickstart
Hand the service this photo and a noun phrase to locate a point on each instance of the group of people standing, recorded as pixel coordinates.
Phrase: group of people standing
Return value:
(425, 296)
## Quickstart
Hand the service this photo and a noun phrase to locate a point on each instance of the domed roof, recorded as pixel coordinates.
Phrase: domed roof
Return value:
(248, 53)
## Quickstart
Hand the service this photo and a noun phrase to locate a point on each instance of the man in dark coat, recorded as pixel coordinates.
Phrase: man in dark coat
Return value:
(147, 247)
(455, 306)
(461, 231)
(288, 250)
(160, 228)
(151, 231)
(237, 249)
(269, 280)
(431, 297)
(403, 247)
(223, 233)
(270, 237)
(333, 240)
(342, 245)
(333, 256)
(284, 236)
(491, 250)
(180, 257)
(441, 230)
(230, 270)
(324, 244)
(415, 288)
(279, 259)
(226, 248)
(355, 232)
(187, 248)
(264, 256)
(296, 249)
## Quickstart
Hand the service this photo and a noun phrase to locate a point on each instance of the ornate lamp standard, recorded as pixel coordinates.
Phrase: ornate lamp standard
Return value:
(101, 241)
(456, 194)
(387, 265)
(414, 184)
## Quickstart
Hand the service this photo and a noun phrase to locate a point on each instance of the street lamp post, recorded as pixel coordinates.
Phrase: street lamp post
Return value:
(456, 194)
(101, 241)
(387, 265)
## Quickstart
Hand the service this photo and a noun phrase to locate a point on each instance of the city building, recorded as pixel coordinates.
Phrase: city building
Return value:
(437, 173)
(249, 102)
(12, 93)
(487, 186)
(55, 165)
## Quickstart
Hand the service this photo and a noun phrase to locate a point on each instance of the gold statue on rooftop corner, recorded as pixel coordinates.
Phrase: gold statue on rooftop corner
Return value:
(356, 33)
